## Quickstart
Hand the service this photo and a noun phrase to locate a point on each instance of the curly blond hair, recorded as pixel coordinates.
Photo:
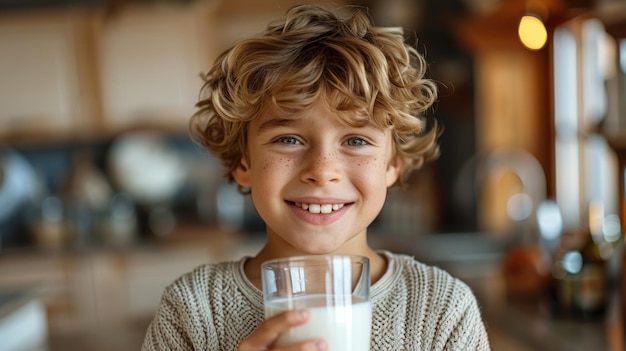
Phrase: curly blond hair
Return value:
(311, 54)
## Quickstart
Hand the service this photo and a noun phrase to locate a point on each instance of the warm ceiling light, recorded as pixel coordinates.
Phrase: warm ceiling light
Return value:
(532, 32)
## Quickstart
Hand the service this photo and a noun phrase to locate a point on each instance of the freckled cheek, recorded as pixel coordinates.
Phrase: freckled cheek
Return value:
(276, 164)
(374, 164)
(369, 171)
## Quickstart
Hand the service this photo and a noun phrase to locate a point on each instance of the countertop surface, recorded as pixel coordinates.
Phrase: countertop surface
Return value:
(13, 299)
(23, 325)
(513, 325)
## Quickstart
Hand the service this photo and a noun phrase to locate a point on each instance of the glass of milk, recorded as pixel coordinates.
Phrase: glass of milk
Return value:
(334, 288)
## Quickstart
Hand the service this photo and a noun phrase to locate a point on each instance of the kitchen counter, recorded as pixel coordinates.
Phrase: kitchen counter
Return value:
(23, 324)
(530, 324)
(513, 325)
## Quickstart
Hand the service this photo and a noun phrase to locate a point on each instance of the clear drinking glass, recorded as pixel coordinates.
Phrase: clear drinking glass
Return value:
(334, 288)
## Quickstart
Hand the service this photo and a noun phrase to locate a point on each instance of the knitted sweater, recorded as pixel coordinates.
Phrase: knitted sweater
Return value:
(415, 307)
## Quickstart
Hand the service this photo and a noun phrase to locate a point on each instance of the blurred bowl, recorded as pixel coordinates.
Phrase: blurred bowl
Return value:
(19, 183)
(147, 167)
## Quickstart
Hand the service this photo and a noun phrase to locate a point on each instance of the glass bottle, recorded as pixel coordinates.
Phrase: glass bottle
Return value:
(567, 263)
(592, 293)
(580, 275)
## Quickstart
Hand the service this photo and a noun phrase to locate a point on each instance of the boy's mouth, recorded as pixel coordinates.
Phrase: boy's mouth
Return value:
(319, 208)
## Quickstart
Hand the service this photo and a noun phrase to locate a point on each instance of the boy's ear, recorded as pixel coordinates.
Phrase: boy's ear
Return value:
(393, 171)
(242, 173)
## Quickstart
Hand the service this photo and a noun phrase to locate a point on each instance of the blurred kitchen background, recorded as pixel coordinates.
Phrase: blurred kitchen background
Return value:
(104, 199)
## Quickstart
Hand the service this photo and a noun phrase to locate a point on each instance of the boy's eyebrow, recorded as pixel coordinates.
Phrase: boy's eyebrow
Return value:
(275, 122)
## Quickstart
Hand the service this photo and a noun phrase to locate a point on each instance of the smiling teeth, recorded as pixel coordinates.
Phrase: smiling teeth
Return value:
(319, 208)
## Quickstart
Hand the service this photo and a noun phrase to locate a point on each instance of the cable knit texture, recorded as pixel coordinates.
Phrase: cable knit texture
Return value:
(415, 307)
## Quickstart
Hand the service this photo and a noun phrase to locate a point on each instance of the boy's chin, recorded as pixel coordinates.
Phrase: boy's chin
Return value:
(321, 249)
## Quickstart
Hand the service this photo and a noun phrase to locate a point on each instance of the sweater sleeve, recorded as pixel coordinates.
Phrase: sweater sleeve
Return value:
(167, 331)
(184, 319)
(468, 331)
(205, 309)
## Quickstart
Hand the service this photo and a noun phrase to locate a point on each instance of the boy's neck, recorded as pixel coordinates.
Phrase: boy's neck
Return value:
(252, 268)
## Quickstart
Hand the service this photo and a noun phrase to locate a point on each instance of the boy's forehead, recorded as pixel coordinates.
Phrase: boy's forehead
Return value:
(275, 118)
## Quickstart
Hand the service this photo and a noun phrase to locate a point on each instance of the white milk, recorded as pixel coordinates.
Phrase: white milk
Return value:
(345, 328)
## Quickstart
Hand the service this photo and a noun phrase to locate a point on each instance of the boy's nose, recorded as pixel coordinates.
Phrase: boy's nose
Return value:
(321, 168)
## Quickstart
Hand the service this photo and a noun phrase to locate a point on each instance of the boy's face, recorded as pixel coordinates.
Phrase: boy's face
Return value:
(317, 183)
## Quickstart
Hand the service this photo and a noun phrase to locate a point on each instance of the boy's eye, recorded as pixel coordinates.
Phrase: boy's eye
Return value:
(288, 140)
(356, 142)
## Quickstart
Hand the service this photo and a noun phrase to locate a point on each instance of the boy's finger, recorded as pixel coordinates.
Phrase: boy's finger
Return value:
(270, 330)
(312, 345)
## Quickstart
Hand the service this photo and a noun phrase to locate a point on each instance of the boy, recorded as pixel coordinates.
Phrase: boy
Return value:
(315, 118)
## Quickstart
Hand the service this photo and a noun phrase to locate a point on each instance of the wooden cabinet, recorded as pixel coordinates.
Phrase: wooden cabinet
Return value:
(45, 87)
(513, 116)
(105, 288)
(78, 73)
(150, 61)
(86, 291)
(51, 278)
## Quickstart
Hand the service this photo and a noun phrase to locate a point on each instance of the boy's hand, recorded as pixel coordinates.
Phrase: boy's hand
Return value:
(265, 336)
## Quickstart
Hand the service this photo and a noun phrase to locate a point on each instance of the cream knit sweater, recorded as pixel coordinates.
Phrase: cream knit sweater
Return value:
(415, 307)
